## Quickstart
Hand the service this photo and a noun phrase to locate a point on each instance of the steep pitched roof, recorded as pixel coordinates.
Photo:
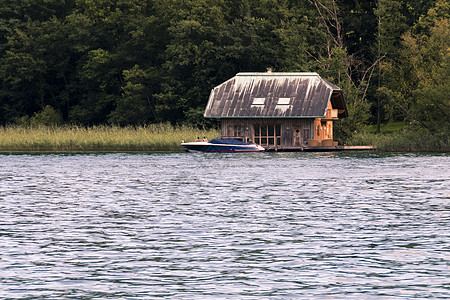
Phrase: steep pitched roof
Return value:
(274, 95)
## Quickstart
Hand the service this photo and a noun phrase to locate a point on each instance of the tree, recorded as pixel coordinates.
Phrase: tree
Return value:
(134, 106)
(391, 25)
(426, 58)
(27, 64)
(129, 62)
(124, 34)
(34, 56)
(337, 65)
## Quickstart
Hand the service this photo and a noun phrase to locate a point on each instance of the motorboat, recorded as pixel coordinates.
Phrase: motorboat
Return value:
(221, 145)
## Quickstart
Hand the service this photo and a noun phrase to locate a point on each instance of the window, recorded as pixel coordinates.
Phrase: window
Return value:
(305, 136)
(267, 135)
(283, 105)
(284, 101)
(238, 130)
(258, 101)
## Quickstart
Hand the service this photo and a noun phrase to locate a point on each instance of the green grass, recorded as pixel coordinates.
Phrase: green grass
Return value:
(155, 137)
(387, 128)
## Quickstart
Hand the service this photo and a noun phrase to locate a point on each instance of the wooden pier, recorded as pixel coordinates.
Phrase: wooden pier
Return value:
(321, 149)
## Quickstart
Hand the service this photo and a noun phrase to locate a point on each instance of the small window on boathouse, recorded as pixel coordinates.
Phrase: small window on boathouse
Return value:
(258, 101)
(284, 101)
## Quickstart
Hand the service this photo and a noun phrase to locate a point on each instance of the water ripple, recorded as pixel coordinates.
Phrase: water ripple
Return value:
(283, 225)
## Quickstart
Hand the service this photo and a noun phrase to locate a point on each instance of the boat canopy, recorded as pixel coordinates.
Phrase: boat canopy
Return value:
(227, 141)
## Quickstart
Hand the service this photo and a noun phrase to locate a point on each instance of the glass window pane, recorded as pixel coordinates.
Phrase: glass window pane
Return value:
(263, 130)
(284, 101)
(258, 101)
(271, 130)
(271, 141)
(256, 130)
(278, 130)
(238, 130)
(264, 141)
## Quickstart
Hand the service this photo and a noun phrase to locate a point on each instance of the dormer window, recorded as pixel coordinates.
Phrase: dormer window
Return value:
(284, 101)
(283, 105)
(258, 101)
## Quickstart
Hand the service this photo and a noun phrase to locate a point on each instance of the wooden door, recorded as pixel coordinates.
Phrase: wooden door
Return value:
(305, 136)
(297, 137)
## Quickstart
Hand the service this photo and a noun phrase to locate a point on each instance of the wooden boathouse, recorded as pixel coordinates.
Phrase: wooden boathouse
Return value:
(279, 111)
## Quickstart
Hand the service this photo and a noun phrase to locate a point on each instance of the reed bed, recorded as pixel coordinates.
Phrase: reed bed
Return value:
(155, 137)
(404, 141)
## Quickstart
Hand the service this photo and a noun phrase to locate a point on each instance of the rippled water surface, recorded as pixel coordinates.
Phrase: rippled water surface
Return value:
(211, 226)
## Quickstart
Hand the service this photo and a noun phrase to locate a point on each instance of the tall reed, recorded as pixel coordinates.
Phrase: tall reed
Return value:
(154, 137)
(417, 140)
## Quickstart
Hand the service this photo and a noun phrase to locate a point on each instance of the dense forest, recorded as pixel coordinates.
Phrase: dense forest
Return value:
(128, 62)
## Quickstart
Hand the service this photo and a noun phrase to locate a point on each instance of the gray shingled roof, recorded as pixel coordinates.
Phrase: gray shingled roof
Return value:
(274, 95)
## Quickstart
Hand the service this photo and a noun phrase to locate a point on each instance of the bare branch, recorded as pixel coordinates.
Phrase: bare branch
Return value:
(315, 58)
(368, 83)
(330, 19)
(338, 25)
(371, 69)
(327, 25)
(413, 116)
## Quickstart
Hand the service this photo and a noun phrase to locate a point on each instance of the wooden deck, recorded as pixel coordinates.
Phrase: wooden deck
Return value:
(321, 149)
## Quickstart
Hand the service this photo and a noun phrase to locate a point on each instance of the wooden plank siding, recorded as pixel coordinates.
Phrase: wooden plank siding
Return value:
(289, 131)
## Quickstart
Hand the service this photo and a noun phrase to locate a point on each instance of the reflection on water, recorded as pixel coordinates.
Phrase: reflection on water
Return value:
(283, 225)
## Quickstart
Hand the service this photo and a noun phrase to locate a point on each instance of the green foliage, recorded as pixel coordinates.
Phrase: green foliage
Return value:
(391, 25)
(386, 128)
(135, 101)
(358, 110)
(426, 59)
(46, 117)
(412, 75)
(410, 139)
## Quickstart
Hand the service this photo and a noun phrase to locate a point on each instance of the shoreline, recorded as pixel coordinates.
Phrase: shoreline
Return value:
(147, 138)
(165, 138)
(54, 151)
(181, 150)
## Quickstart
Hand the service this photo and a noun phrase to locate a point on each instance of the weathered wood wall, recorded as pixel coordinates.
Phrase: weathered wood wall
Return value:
(293, 131)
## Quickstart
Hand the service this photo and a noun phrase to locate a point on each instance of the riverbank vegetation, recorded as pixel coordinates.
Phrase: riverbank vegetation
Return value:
(156, 137)
(165, 137)
(401, 137)
(130, 63)
(405, 140)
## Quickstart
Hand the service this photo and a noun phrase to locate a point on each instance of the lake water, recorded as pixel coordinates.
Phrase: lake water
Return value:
(231, 226)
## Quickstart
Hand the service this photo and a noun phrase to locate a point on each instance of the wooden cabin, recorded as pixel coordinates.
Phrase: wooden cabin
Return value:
(278, 110)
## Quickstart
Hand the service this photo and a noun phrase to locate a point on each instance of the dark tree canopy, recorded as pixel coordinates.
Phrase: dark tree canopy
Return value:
(144, 61)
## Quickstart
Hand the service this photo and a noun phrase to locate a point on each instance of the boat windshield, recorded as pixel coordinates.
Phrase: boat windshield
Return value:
(227, 141)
